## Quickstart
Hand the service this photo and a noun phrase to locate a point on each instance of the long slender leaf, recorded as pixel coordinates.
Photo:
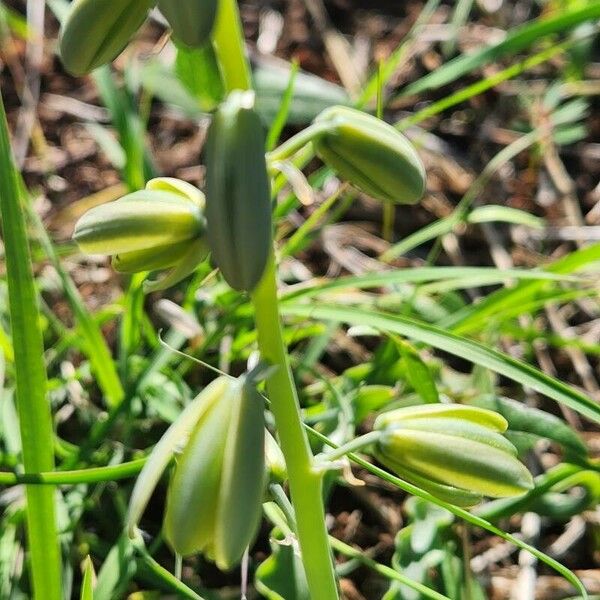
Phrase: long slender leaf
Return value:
(421, 275)
(459, 346)
(35, 419)
(519, 39)
(94, 343)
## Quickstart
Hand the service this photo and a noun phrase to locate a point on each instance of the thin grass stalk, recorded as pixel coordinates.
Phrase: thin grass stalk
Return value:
(35, 419)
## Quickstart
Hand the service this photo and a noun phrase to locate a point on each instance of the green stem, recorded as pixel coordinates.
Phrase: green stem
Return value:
(297, 142)
(228, 39)
(35, 419)
(353, 446)
(93, 475)
(304, 480)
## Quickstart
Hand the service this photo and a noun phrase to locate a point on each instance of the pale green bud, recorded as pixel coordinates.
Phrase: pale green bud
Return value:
(161, 227)
(96, 31)
(238, 198)
(455, 452)
(371, 155)
(192, 21)
(215, 495)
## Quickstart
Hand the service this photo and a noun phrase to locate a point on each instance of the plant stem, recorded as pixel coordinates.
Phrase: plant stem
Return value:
(304, 480)
(353, 445)
(228, 38)
(35, 419)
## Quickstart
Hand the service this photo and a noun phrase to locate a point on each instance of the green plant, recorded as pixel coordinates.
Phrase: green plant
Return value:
(363, 150)
(450, 443)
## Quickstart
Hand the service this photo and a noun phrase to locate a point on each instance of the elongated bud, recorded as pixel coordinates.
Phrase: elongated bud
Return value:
(161, 227)
(215, 495)
(371, 155)
(238, 199)
(96, 31)
(457, 453)
(192, 21)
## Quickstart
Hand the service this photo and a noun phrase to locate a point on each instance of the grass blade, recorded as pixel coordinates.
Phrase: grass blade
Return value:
(93, 341)
(35, 419)
(459, 346)
(518, 40)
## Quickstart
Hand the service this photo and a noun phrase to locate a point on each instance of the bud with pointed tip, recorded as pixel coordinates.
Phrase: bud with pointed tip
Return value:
(96, 31)
(457, 453)
(215, 494)
(238, 205)
(370, 154)
(192, 21)
(161, 227)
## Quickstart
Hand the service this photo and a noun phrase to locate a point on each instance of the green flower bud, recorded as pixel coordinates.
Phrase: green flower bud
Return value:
(457, 453)
(161, 227)
(238, 206)
(192, 21)
(96, 31)
(215, 495)
(371, 155)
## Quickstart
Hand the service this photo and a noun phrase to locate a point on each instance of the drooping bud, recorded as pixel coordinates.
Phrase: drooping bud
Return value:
(96, 31)
(161, 227)
(238, 199)
(457, 453)
(192, 21)
(215, 495)
(371, 155)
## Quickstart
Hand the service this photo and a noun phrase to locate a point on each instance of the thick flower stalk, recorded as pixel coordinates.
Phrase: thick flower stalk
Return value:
(161, 228)
(455, 452)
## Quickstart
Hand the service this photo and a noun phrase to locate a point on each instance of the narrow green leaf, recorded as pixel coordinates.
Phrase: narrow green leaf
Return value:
(35, 420)
(519, 39)
(93, 341)
(530, 420)
(462, 347)
(319, 287)
(417, 372)
(87, 586)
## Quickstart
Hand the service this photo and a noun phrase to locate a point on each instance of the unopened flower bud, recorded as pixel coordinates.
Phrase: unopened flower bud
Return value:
(238, 199)
(96, 31)
(215, 495)
(371, 155)
(192, 21)
(161, 227)
(457, 453)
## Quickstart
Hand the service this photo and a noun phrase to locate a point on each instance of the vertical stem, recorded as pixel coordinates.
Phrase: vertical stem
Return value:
(35, 419)
(305, 482)
(228, 38)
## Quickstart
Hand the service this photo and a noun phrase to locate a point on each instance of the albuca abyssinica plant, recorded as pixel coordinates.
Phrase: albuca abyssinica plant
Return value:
(217, 484)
